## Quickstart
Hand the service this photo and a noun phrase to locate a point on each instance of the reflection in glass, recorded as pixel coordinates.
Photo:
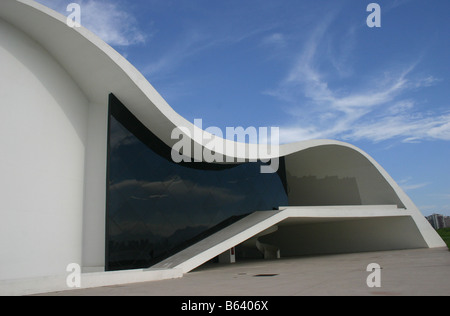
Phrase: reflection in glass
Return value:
(156, 207)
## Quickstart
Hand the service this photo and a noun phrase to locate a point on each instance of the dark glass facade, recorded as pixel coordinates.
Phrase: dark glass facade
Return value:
(156, 207)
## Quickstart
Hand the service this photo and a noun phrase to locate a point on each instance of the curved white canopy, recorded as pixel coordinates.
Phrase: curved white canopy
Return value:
(99, 70)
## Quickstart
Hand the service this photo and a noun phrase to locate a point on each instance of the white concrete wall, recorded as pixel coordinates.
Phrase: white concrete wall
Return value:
(95, 188)
(43, 123)
(323, 162)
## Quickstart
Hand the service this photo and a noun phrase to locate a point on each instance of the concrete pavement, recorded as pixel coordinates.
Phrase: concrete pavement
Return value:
(406, 272)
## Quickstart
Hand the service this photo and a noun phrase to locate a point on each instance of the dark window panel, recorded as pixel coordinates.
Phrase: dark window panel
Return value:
(156, 207)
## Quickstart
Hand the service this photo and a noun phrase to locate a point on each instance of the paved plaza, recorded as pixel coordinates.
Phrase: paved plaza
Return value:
(406, 272)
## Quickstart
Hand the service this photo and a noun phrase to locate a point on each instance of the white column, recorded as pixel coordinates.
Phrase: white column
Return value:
(228, 256)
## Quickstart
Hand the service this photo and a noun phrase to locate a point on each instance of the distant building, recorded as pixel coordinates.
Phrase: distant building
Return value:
(439, 221)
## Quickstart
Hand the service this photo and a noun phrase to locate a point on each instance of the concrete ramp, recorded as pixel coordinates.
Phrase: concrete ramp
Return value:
(212, 246)
(294, 217)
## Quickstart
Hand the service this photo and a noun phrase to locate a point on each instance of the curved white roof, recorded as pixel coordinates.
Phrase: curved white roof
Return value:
(99, 70)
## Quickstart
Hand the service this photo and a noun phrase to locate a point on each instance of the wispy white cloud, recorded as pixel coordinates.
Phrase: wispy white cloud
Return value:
(274, 39)
(112, 23)
(407, 127)
(108, 19)
(375, 109)
(408, 185)
(192, 42)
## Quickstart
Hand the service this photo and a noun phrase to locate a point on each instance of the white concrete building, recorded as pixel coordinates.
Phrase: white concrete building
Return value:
(66, 200)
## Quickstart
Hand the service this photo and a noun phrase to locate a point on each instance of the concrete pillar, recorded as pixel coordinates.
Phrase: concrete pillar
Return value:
(228, 256)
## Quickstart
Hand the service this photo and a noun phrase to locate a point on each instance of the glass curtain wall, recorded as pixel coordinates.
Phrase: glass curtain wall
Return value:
(156, 207)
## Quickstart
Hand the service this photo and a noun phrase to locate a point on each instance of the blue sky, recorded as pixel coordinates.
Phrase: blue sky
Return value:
(313, 68)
